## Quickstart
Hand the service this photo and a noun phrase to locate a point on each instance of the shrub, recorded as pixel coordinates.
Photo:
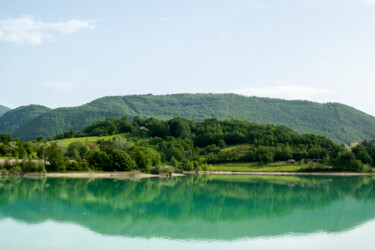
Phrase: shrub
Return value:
(155, 170)
(366, 168)
(73, 166)
(56, 159)
(173, 162)
(29, 166)
(15, 169)
(188, 166)
(162, 170)
(204, 167)
(121, 161)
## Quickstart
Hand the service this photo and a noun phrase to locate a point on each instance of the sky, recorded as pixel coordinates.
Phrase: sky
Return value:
(67, 53)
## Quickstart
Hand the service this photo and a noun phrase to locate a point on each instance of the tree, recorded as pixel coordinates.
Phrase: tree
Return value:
(121, 161)
(56, 158)
(221, 144)
(362, 154)
(264, 154)
(188, 166)
(179, 128)
(77, 151)
(122, 144)
(146, 158)
(173, 162)
(5, 138)
(347, 161)
(99, 160)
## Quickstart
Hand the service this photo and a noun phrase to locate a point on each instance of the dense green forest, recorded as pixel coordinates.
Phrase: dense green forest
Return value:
(157, 146)
(3, 110)
(339, 122)
(196, 207)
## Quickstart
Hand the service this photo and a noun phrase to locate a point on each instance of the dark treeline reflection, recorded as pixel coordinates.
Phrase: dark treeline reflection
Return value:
(202, 207)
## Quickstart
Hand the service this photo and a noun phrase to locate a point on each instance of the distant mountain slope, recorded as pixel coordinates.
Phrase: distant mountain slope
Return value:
(3, 110)
(19, 118)
(53, 121)
(336, 121)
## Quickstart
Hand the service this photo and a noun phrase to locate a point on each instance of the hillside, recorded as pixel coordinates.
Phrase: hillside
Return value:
(3, 110)
(336, 121)
(20, 117)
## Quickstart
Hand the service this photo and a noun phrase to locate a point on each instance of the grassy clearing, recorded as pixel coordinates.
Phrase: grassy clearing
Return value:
(256, 167)
(92, 139)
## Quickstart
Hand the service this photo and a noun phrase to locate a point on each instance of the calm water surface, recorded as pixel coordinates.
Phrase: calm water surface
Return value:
(192, 212)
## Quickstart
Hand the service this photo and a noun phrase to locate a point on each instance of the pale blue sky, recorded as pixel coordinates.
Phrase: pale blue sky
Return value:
(66, 53)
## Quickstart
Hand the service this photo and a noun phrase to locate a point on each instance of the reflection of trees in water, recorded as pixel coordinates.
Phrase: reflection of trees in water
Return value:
(113, 204)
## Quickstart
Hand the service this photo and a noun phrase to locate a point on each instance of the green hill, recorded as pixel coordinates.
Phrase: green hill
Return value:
(20, 117)
(3, 110)
(336, 121)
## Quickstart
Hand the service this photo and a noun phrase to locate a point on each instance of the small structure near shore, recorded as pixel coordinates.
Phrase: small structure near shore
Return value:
(143, 129)
(291, 161)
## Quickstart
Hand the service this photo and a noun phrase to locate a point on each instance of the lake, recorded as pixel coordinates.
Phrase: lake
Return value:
(191, 212)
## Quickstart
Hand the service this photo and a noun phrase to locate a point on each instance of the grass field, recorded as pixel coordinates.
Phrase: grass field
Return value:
(92, 139)
(256, 167)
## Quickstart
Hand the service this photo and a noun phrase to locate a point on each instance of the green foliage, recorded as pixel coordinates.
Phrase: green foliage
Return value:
(336, 121)
(186, 144)
(122, 144)
(3, 110)
(173, 162)
(188, 166)
(76, 166)
(56, 159)
(162, 170)
(314, 167)
(264, 155)
(77, 151)
(17, 121)
(5, 138)
(347, 161)
(29, 166)
(99, 160)
(362, 154)
(145, 158)
(120, 161)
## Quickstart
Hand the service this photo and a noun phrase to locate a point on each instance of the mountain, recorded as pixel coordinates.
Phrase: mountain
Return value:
(20, 117)
(3, 110)
(336, 121)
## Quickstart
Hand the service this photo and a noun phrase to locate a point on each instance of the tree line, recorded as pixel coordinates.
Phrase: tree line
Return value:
(148, 144)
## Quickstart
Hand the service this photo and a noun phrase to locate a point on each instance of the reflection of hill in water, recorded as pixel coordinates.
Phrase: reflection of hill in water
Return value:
(204, 207)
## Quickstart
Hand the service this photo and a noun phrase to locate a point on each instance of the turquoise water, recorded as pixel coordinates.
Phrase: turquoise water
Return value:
(192, 212)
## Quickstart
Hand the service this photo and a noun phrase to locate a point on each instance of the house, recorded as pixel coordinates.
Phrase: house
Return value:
(291, 161)
(354, 143)
(143, 128)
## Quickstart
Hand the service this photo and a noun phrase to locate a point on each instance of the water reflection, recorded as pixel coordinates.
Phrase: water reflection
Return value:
(203, 207)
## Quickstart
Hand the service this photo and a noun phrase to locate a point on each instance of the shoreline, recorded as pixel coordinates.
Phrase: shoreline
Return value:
(118, 175)
(276, 173)
(137, 175)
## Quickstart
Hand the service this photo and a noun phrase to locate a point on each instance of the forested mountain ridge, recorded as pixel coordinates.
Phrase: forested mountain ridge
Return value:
(336, 121)
(3, 110)
(20, 117)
